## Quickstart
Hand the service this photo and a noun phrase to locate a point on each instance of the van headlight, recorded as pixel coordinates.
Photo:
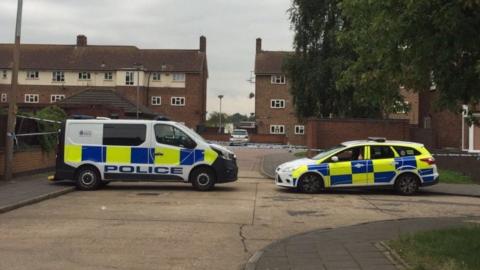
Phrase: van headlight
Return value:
(224, 154)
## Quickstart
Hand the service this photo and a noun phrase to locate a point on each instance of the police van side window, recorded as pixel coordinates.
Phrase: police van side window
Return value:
(170, 135)
(406, 151)
(124, 134)
(381, 152)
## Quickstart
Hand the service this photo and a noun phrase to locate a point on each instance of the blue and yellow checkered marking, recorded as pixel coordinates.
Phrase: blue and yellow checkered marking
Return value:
(427, 175)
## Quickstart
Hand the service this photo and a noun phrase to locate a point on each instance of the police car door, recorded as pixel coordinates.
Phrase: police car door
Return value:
(383, 159)
(351, 167)
(172, 151)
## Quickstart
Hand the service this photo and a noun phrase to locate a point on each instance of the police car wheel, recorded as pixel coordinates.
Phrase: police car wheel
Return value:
(310, 183)
(407, 184)
(203, 179)
(88, 179)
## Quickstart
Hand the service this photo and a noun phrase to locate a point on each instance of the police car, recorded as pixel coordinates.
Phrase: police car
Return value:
(369, 163)
(94, 152)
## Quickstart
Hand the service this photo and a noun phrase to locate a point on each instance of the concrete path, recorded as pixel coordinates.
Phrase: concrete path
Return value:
(27, 190)
(355, 247)
(271, 161)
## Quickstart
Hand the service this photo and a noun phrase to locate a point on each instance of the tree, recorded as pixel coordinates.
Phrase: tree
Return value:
(214, 119)
(420, 44)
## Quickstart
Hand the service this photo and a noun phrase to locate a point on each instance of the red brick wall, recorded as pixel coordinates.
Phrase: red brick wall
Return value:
(324, 133)
(29, 161)
(266, 116)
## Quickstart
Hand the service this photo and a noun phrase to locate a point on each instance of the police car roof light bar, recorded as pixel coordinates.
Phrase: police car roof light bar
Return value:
(161, 118)
(377, 139)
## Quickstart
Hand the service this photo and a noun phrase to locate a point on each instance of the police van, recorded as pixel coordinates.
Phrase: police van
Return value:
(94, 152)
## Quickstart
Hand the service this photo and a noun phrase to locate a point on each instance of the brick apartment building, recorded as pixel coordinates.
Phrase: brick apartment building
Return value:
(274, 108)
(172, 83)
(275, 112)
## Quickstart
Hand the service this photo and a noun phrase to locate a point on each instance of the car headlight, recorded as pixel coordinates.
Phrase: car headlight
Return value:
(288, 169)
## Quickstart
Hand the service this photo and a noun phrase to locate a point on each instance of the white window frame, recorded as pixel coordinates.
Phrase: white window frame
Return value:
(108, 76)
(277, 129)
(58, 76)
(4, 74)
(299, 130)
(156, 100)
(277, 103)
(129, 78)
(179, 77)
(56, 97)
(4, 98)
(156, 76)
(32, 98)
(177, 101)
(278, 79)
(84, 76)
(32, 75)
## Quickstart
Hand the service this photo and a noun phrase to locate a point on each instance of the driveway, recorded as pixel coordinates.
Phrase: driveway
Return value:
(170, 226)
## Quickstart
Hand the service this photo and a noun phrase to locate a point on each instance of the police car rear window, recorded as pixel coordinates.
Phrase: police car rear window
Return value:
(124, 134)
(406, 151)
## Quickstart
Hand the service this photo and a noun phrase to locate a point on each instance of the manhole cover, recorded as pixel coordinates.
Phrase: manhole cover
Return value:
(148, 194)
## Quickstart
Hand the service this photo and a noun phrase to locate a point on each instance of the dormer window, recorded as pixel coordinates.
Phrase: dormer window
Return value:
(278, 79)
(58, 76)
(84, 76)
(178, 77)
(156, 76)
(32, 75)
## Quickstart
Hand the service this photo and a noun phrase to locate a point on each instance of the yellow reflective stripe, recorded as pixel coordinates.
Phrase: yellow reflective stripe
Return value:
(384, 165)
(168, 156)
(73, 153)
(210, 156)
(299, 171)
(341, 168)
(119, 155)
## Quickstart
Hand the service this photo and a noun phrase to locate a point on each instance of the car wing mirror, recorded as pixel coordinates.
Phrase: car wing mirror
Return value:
(334, 159)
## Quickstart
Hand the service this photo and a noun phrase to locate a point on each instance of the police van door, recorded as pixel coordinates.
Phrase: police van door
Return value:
(174, 152)
(351, 167)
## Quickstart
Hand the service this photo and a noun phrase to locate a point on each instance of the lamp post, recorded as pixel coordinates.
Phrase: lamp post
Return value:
(12, 96)
(220, 97)
(138, 67)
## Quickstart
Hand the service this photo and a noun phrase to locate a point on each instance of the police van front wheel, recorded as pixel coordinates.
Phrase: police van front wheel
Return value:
(203, 179)
(88, 179)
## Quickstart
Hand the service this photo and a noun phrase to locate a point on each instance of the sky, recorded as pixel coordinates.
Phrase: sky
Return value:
(231, 27)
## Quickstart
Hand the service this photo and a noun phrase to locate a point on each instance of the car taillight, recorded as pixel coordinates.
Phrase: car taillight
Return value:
(429, 160)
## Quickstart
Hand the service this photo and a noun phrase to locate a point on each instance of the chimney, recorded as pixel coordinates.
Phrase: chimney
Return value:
(259, 45)
(81, 41)
(203, 44)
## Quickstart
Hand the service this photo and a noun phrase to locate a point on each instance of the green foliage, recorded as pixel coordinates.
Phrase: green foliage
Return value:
(48, 142)
(214, 118)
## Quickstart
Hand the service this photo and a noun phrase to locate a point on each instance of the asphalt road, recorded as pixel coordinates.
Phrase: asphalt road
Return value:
(171, 226)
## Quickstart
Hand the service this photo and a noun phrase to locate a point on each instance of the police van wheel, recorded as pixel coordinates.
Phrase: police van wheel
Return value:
(203, 179)
(88, 179)
(407, 184)
(310, 183)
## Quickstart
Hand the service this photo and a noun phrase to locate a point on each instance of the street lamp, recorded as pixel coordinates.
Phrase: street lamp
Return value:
(220, 125)
(138, 67)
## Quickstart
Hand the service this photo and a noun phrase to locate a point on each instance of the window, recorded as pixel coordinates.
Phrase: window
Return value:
(129, 77)
(156, 76)
(3, 98)
(354, 153)
(108, 76)
(32, 75)
(83, 76)
(277, 129)
(156, 100)
(278, 79)
(124, 134)
(277, 103)
(58, 76)
(178, 101)
(179, 77)
(55, 98)
(406, 151)
(381, 152)
(299, 130)
(4, 74)
(170, 135)
(32, 98)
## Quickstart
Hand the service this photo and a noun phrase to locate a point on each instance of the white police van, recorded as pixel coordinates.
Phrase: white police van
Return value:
(94, 152)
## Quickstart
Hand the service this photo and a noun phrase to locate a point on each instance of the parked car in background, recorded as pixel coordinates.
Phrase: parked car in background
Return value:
(239, 137)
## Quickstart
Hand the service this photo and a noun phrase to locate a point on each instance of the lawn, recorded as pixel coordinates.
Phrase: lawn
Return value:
(450, 249)
(454, 177)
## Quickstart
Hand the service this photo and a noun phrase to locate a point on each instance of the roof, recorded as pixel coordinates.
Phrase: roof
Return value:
(270, 62)
(98, 58)
(104, 97)
(370, 142)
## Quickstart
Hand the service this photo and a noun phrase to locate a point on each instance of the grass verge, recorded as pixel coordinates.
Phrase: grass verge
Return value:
(301, 154)
(454, 177)
(450, 249)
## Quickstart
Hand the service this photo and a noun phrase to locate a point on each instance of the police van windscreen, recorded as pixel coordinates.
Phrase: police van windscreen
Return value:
(328, 152)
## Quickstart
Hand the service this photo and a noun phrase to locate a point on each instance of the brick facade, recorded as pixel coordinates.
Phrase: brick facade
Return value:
(30, 161)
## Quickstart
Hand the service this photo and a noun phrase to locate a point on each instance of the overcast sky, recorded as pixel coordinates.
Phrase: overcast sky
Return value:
(231, 28)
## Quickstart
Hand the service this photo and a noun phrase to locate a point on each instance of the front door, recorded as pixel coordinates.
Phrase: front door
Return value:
(350, 169)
